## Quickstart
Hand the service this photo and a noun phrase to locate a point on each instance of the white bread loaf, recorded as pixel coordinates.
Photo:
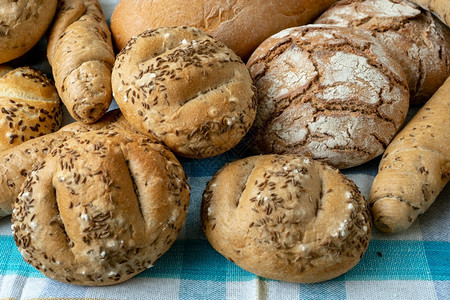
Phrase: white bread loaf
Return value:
(240, 24)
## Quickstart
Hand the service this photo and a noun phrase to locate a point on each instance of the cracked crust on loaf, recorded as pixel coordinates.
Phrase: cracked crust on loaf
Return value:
(332, 93)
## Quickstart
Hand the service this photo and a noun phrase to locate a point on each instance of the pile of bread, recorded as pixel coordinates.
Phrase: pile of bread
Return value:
(101, 199)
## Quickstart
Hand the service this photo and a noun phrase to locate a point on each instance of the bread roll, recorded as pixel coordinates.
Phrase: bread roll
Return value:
(241, 25)
(5, 69)
(17, 162)
(413, 37)
(286, 217)
(23, 23)
(329, 92)
(29, 106)
(440, 7)
(101, 208)
(186, 89)
(415, 167)
(81, 55)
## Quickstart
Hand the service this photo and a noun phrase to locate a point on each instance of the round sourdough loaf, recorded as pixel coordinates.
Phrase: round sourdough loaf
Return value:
(413, 37)
(329, 92)
(286, 217)
(29, 106)
(23, 23)
(187, 89)
(101, 208)
(241, 24)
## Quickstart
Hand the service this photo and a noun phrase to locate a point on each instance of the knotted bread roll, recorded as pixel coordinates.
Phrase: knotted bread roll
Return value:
(81, 55)
(286, 217)
(101, 208)
(29, 106)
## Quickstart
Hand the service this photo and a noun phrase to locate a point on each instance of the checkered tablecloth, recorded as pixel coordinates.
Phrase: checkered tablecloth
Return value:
(411, 265)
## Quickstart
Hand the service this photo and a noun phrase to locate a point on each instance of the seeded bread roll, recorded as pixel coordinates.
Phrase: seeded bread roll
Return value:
(240, 24)
(23, 23)
(286, 217)
(29, 106)
(101, 208)
(81, 55)
(415, 38)
(329, 92)
(185, 88)
(16, 163)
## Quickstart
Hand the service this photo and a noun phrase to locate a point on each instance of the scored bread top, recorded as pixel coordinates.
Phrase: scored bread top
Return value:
(185, 88)
(101, 208)
(17, 162)
(29, 106)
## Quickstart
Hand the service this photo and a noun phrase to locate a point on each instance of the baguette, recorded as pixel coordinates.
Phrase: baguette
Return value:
(415, 166)
(16, 162)
(81, 55)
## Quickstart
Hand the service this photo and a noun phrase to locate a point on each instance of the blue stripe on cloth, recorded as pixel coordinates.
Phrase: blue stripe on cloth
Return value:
(202, 262)
(438, 256)
(197, 260)
(11, 261)
(400, 260)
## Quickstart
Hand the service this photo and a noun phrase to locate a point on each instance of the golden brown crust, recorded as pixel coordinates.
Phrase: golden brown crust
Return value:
(185, 88)
(23, 23)
(415, 167)
(329, 92)
(5, 69)
(439, 7)
(416, 39)
(81, 55)
(105, 207)
(286, 217)
(29, 106)
(240, 24)
(16, 163)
